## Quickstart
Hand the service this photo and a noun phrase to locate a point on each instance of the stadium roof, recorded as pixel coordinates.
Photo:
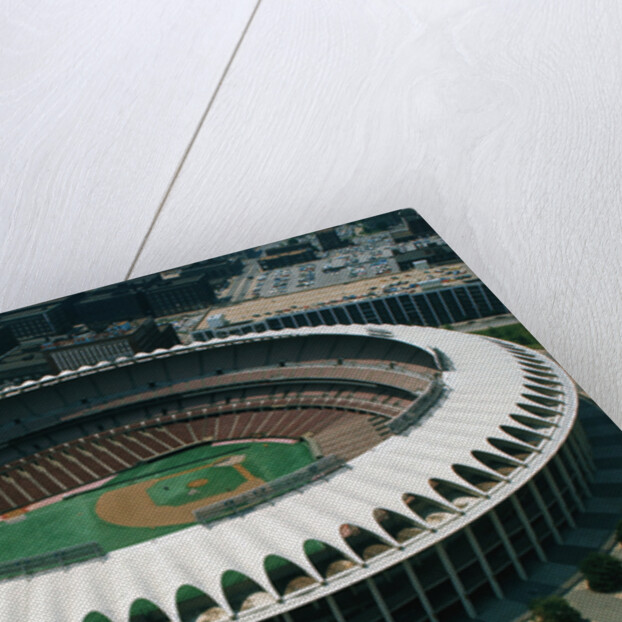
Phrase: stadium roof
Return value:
(485, 384)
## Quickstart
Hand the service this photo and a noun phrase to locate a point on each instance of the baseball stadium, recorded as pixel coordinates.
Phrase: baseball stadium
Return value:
(335, 473)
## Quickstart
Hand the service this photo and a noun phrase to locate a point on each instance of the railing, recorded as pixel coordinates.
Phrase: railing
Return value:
(268, 491)
(47, 561)
(419, 407)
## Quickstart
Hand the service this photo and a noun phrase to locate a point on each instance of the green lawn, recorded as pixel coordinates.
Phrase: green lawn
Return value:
(515, 333)
(179, 490)
(74, 521)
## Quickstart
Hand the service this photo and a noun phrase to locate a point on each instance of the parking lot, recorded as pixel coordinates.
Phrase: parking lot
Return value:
(371, 257)
(318, 274)
(365, 269)
(305, 298)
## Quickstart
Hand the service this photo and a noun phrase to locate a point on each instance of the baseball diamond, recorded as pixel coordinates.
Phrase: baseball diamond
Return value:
(152, 498)
(463, 458)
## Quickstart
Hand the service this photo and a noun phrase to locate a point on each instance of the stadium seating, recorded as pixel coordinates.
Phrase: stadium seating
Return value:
(344, 391)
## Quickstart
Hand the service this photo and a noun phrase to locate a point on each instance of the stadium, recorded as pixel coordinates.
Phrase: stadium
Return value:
(348, 473)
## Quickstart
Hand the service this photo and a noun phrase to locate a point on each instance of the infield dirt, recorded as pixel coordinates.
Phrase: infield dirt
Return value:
(132, 506)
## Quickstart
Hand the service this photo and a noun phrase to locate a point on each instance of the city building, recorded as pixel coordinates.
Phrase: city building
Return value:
(435, 253)
(418, 227)
(177, 295)
(123, 339)
(402, 235)
(287, 255)
(439, 305)
(38, 321)
(7, 340)
(24, 362)
(382, 222)
(216, 321)
(216, 270)
(329, 239)
(450, 464)
(116, 303)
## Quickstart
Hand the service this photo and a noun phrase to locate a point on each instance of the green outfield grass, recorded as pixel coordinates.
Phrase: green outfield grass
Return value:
(516, 333)
(74, 520)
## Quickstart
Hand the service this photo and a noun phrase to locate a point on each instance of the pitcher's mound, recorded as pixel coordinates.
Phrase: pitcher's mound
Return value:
(197, 483)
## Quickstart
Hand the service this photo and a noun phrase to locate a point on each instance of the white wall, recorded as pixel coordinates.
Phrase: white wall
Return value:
(498, 121)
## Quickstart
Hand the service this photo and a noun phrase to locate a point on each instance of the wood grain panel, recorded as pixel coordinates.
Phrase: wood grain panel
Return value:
(499, 121)
(98, 102)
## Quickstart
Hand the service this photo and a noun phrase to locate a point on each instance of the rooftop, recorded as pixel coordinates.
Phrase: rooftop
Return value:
(116, 330)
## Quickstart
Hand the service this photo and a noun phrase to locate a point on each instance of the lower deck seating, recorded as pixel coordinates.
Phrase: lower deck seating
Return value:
(86, 460)
(346, 408)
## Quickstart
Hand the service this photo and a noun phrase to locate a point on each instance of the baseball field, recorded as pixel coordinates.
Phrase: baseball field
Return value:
(151, 499)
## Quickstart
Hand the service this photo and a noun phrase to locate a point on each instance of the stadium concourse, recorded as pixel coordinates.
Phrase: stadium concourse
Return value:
(417, 470)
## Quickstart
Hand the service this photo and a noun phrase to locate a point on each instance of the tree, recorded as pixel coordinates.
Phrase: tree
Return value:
(603, 572)
(553, 609)
(619, 532)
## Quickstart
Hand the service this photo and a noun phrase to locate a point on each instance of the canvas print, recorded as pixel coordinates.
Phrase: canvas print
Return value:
(345, 426)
